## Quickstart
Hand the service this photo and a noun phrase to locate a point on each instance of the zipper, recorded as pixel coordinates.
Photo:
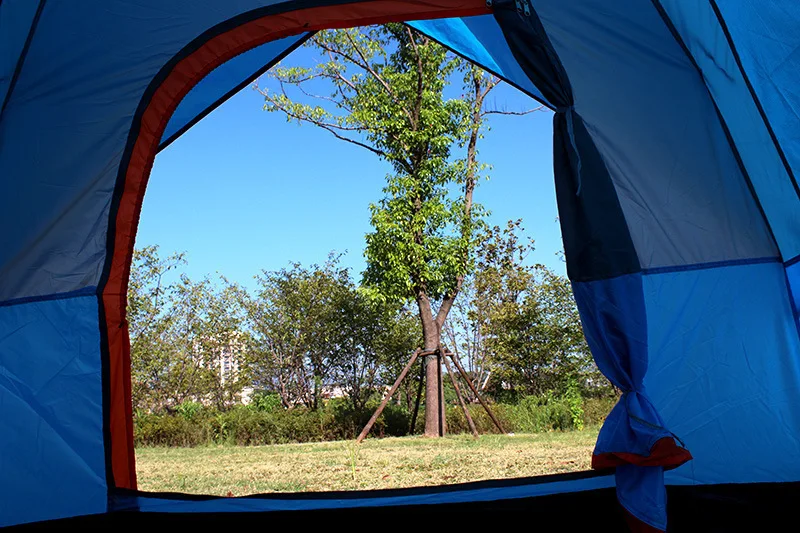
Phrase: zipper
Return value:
(524, 7)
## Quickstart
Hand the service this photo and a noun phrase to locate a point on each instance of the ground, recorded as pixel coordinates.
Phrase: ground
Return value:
(375, 464)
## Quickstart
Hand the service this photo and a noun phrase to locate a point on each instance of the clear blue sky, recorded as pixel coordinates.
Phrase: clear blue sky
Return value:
(244, 190)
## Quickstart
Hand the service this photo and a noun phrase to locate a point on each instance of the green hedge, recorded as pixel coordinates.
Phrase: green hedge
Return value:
(193, 425)
(252, 426)
(530, 415)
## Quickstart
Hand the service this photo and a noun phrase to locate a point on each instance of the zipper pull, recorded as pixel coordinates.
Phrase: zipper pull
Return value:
(523, 7)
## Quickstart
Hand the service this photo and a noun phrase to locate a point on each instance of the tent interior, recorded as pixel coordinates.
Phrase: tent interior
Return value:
(675, 151)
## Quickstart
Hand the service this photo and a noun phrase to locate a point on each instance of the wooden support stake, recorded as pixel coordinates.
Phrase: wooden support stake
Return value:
(442, 406)
(475, 391)
(418, 400)
(388, 397)
(461, 398)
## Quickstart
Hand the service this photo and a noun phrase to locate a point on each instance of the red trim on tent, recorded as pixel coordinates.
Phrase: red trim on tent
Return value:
(186, 74)
(663, 453)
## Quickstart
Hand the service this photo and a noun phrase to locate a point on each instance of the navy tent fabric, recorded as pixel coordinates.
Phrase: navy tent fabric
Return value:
(676, 155)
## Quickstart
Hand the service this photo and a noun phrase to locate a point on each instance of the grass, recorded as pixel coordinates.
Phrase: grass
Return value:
(375, 464)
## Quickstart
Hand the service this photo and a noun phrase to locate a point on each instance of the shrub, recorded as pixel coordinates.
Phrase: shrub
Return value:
(339, 420)
(573, 399)
(268, 402)
(189, 409)
(595, 410)
(168, 430)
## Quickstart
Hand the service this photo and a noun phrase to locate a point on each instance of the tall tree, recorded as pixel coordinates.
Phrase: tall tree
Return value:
(500, 275)
(386, 93)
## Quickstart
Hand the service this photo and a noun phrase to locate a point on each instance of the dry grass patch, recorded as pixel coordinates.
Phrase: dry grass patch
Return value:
(375, 464)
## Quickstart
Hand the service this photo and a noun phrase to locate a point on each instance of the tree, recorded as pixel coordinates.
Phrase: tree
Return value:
(312, 328)
(150, 323)
(386, 94)
(536, 342)
(292, 318)
(374, 337)
(500, 275)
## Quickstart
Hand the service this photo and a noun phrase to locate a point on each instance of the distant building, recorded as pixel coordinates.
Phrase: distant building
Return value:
(227, 360)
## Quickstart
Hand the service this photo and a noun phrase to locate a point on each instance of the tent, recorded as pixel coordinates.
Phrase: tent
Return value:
(676, 148)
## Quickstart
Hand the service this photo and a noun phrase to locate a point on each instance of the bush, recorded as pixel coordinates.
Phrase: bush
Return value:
(169, 430)
(595, 410)
(268, 402)
(573, 399)
(189, 409)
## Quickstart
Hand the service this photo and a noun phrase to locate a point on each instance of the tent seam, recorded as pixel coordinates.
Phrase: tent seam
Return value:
(78, 293)
(723, 123)
(22, 56)
(756, 100)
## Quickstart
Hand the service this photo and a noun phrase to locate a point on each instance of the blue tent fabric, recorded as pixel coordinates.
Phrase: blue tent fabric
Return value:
(764, 37)
(224, 81)
(654, 168)
(614, 322)
(275, 502)
(723, 378)
(760, 156)
(676, 157)
(51, 428)
(481, 41)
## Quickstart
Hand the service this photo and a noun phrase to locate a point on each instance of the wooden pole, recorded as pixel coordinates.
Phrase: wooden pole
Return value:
(475, 391)
(442, 406)
(419, 398)
(388, 397)
(461, 399)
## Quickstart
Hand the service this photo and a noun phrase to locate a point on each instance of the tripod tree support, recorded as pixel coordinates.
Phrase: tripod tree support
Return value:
(474, 390)
(388, 397)
(461, 398)
(417, 401)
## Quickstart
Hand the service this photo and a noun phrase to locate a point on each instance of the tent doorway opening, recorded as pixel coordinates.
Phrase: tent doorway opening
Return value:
(265, 338)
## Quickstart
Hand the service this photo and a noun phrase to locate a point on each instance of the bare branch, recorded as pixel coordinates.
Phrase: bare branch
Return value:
(372, 149)
(334, 129)
(514, 113)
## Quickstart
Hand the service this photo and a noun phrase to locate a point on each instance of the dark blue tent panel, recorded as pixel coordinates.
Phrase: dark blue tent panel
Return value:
(676, 154)
(638, 117)
(761, 156)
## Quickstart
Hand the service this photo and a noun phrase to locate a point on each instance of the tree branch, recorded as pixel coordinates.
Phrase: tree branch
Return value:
(514, 113)
(366, 66)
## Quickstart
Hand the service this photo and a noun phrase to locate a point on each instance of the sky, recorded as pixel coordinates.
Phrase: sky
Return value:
(245, 191)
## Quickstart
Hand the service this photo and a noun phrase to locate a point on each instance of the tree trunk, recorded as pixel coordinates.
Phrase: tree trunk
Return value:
(431, 333)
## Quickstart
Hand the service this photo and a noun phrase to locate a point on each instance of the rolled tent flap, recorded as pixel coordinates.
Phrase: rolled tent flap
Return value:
(607, 281)
(633, 439)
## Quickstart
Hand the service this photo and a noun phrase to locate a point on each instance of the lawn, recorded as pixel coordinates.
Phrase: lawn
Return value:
(375, 464)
